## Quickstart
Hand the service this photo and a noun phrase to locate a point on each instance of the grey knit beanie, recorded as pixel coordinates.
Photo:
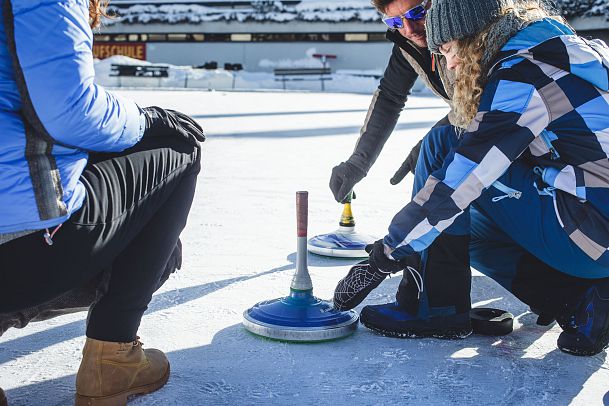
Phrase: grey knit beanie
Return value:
(449, 20)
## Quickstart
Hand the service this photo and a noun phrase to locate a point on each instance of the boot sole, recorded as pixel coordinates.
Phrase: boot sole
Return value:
(445, 335)
(579, 352)
(120, 399)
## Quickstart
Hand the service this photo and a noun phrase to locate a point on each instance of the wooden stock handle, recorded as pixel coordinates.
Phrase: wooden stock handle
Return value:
(302, 210)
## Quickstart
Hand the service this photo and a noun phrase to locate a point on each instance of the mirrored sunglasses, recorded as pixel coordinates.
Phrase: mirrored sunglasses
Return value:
(414, 14)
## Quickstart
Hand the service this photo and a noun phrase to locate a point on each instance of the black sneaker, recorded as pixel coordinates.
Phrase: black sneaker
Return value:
(359, 282)
(543, 319)
(586, 330)
(393, 321)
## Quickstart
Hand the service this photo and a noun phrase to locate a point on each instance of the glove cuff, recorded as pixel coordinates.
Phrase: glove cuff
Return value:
(143, 121)
(357, 164)
(387, 250)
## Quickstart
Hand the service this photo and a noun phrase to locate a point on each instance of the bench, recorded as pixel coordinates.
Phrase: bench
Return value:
(233, 66)
(149, 71)
(289, 74)
(140, 71)
(213, 65)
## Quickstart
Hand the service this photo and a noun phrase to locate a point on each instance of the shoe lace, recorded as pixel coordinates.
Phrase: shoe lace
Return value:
(414, 274)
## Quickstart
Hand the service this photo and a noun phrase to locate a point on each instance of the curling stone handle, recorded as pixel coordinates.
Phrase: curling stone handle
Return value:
(302, 279)
(302, 213)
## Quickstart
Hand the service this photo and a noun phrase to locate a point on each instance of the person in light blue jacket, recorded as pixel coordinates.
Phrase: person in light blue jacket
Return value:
(93, 188)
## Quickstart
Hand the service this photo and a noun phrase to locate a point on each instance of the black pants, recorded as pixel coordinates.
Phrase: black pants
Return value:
(136, 207)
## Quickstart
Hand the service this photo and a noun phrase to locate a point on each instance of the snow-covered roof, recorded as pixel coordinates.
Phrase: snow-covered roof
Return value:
(197, 11)
(586, 8)
(256, 11)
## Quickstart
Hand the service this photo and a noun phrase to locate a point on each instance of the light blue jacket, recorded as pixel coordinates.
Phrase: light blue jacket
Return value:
(51, 112)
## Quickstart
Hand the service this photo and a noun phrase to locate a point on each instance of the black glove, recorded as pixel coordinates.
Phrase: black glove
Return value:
(161, 122)
(344, 177)
(379, 260)
(408, 166)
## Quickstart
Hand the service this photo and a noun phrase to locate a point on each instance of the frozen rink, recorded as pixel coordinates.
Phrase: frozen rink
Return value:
(239, 248)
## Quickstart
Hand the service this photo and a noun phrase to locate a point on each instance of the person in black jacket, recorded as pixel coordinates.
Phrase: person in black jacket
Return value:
(447, 258)
(410, 59)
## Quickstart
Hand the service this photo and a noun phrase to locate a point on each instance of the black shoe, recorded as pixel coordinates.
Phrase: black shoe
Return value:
(393, 321)
(359, 282)
(543, 319)
(586, 329)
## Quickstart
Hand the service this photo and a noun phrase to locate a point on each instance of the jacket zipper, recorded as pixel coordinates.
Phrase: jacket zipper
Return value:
(509, 192)
(546, 139)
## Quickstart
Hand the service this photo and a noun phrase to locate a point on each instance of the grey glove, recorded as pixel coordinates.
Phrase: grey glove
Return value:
(344, 177)
(409, 165)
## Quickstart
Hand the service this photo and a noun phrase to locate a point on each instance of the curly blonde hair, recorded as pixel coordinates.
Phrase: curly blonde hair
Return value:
(468, 81)
(97, 10)
(471, 73)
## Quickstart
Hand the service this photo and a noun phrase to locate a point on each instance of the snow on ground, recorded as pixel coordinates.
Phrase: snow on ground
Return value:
(239, 249)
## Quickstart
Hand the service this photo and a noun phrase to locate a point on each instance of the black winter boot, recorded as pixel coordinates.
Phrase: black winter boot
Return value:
(586, 325)
(432, 301)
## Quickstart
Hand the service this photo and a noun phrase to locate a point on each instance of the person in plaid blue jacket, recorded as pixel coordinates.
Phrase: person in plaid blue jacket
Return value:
(527, 181)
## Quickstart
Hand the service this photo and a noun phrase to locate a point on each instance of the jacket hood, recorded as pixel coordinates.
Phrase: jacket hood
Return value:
(554, 43)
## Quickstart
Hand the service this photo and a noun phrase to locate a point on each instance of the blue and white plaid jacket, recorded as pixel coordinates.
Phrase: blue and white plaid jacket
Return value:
(547, 99)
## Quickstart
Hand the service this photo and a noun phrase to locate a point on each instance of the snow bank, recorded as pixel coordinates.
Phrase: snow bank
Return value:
(342, 81)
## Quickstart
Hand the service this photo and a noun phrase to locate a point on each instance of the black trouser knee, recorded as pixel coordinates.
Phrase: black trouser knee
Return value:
(547, 291)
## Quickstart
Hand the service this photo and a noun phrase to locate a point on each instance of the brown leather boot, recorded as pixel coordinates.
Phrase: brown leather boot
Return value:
(111, 372)
(3, 401)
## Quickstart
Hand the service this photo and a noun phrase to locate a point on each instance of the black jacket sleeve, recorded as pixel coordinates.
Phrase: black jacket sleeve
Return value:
(384, 111)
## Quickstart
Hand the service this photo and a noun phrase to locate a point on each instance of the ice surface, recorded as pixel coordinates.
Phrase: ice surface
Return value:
(239, 248)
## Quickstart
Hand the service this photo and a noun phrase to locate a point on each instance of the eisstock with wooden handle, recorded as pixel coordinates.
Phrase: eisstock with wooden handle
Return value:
(300, 317)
